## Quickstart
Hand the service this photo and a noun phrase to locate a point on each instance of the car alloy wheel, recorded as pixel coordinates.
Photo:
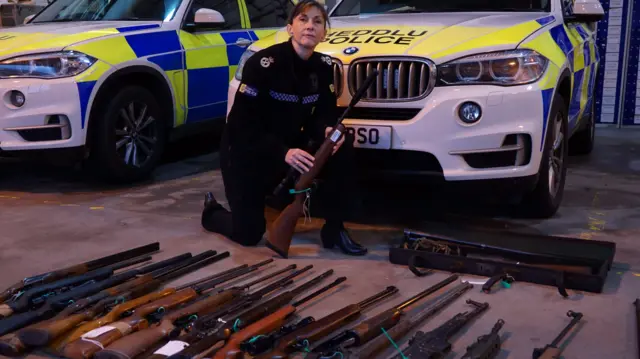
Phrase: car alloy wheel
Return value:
(556, 162)
(136, 134)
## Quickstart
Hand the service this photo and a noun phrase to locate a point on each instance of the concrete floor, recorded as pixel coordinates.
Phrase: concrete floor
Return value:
(53, 216)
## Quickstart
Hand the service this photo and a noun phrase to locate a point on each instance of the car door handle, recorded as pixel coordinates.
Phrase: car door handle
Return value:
(243, 42)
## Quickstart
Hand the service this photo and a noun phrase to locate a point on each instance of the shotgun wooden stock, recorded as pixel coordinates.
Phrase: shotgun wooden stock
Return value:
(136, 343)
(231, 350)
(85, 346)
(45, 333)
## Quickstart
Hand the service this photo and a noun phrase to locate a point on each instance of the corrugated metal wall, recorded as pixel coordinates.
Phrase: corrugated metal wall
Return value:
(617, 89)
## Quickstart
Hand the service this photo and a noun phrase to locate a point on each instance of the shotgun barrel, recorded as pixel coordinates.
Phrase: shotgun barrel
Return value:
(78, 269)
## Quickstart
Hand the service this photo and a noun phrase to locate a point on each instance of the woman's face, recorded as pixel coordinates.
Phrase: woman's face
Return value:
(308, 28)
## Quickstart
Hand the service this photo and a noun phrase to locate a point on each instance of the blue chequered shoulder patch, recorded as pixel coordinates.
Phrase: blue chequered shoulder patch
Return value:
(310, 99)
(248, 90)
(283, 96)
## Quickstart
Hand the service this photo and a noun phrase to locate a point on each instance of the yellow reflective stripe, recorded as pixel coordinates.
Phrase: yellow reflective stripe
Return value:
(245, 14)
(262, 34)
(242, 19)
(584, 94)
(545, 45)
(204, 50)
(550, 78)
(497, 37)
(578, 58)
(94, 72)
(113, 50)
(592, 51)
(232, 72)
(178, 82)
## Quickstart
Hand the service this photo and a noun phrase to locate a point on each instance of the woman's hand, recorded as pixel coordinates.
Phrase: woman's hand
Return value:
(327, 131)
(299, 159)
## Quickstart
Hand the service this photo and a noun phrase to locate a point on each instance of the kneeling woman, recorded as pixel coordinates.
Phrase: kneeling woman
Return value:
(286, 97)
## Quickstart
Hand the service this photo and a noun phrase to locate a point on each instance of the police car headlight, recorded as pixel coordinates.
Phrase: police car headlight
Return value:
(243, 60)
(50, 65)
(516, 67)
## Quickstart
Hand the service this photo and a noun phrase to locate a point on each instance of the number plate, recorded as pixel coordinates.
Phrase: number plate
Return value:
(378, 137)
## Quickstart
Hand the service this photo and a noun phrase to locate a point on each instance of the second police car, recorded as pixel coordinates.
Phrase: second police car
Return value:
(469, 90)
(114, 80)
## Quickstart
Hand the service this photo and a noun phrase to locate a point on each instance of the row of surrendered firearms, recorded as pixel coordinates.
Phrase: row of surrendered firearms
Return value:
(91, 311)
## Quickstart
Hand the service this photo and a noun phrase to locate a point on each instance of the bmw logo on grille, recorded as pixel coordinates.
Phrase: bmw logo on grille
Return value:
(350, 50)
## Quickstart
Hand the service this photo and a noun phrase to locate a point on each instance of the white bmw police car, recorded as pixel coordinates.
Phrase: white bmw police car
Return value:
(468, 90)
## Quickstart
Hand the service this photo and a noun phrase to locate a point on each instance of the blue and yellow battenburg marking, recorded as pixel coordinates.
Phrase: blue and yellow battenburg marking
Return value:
(572, 46)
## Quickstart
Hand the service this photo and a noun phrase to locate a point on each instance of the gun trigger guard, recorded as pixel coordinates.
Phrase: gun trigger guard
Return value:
(415, 270)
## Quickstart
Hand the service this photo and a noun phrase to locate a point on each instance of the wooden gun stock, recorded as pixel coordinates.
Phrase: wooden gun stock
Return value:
(232, 350)
(136, 343)
(87, 345)
(44, 334)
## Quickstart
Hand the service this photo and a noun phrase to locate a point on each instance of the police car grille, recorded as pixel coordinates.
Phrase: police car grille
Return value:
(399, 79)
(337, 77)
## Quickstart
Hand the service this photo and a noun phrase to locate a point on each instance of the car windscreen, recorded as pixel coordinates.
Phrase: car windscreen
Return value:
(106, 10)
(357, 7)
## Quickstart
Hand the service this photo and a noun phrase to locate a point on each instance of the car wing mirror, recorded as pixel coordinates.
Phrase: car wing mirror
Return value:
(586, 11)
(208, 18)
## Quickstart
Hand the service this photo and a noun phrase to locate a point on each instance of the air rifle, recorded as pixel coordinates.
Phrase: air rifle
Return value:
(95, 340)
(42, 333)
(381, 342)
(486, 346)
(136, 343)
(45, 333)
(281, 233)
(77, 269)
(234, 328)
(99, 290)
(372, 327)
(305, 337)
(118, 311)
(435, 344)
(27, 300)
(553, 351)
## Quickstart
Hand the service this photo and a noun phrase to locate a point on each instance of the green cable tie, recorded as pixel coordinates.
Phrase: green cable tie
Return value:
(193, 317)
(161, 310)
(252, 340)
(293, 190)
(505, 284)
(235, 325)
(306, 348)
(394, 344)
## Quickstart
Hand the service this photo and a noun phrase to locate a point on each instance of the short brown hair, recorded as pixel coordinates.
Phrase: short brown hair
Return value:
(303, 5)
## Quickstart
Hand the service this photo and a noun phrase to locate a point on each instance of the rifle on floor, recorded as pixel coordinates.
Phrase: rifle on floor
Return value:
(99, 290)
(77, 269)
(42, 333)
(381, 342)
(281, 233)
(118, 311)
(32, 298)
(435, 344)
(95, 340)
(486, 346)
(553, 351)
(137, 343)
(304, 338)
(234, 327)
(45, 333)
(372, 327)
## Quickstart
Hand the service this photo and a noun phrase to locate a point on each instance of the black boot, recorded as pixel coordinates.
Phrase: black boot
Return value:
(211, 211)
(333, 235)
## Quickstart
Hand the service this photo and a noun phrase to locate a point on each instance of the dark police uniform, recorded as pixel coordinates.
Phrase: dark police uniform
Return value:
(281, 103)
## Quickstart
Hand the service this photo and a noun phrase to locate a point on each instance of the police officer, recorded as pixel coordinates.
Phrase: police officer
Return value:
(286, 98)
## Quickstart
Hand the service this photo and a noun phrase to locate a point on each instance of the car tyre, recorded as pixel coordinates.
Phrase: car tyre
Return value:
(583, 141)
(546, 197)
(129, 136)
